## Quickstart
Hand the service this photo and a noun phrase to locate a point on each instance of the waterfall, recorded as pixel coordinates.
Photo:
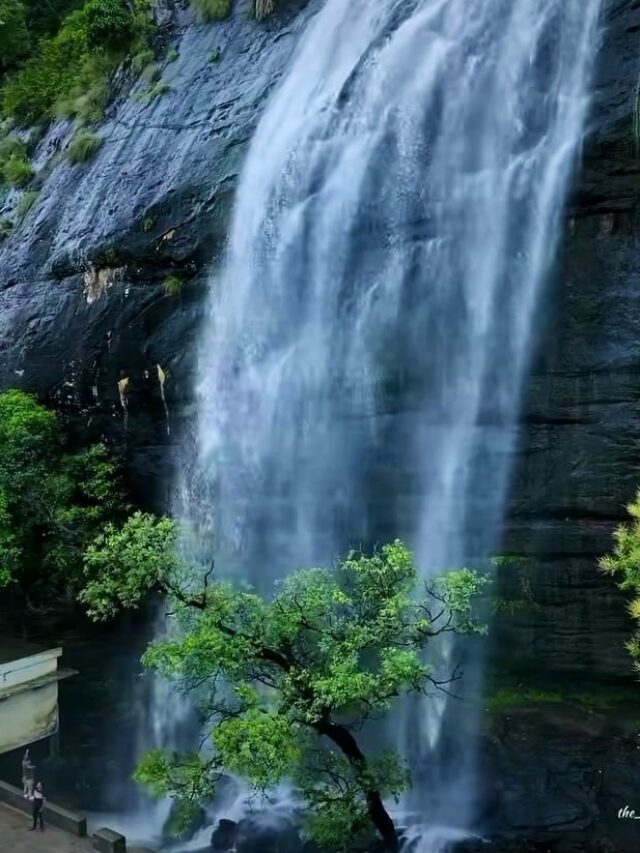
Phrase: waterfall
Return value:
(369, 336)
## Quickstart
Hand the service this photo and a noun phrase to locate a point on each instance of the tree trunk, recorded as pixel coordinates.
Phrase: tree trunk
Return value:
(380, 817)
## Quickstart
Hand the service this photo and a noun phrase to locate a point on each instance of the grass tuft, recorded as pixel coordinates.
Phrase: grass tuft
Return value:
(83, 146)
(26, 203)
(161, 88)
(212, 10)
(172, 285)
(517, 696)
(17, 170)
(141, 59)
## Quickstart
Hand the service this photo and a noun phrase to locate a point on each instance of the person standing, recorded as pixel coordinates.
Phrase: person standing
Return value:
(28, 775)
(38, 799)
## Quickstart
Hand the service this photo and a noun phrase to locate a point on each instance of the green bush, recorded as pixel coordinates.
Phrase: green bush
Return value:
(110, 24)
(14, 35)
(53, 503)
(26, 203)
(83, 146)
(10, 146)
(17, 170)
(141, 59)
(158, 90)
(212, 10)
(152, 73)
(70, 72)
(172, 285)
(30, 95)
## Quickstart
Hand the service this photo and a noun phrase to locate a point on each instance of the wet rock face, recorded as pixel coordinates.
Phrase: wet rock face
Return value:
(557, 778)
(83, 302)
(578, 458)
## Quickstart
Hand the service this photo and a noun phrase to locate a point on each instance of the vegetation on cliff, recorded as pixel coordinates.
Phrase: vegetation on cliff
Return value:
(68, 69)
(623, 564)
(53, 502)
(285, 682)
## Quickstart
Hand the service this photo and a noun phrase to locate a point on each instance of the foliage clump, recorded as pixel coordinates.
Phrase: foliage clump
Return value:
(172, 285)
(623, 564)
(212, 10)
(25, 203)
(16, 168)
(79, 57)
(53, 502)
(83, 146)
(15, 40)
(110, 24)
(285, 683)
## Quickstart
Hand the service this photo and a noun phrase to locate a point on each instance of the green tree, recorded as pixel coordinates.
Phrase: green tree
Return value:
(285, 682)
(52, 503)
(110, 24)
(623, 564)
(14, 35)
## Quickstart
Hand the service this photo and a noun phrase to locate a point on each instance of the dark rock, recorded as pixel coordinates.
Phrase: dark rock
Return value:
(560, 776)
(250, 836)
(224, 836)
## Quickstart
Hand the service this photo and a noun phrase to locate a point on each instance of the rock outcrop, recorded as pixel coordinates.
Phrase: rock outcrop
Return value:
(84, 310)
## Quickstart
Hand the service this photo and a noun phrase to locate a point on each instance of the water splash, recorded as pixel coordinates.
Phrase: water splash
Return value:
(369, 336)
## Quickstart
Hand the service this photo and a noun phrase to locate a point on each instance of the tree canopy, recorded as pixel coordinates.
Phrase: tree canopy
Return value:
(284, 683)
(52, 502)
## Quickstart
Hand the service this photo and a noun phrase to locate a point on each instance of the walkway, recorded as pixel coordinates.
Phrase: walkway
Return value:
(15, 835)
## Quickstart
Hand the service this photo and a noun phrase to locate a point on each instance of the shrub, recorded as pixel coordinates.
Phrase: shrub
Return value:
(17, 170)
(141, 59)
(110, 24)
(11, 146)
(73, 68)
(158, 90)
(212, 10)
(83, 146)
(172, 54)
(26, 203)
(30, 94)
(152, 73)
(14, 35)
(172, 285)
(52, 502)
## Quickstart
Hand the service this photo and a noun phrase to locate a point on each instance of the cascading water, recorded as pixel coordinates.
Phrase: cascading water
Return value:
(369, 335)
